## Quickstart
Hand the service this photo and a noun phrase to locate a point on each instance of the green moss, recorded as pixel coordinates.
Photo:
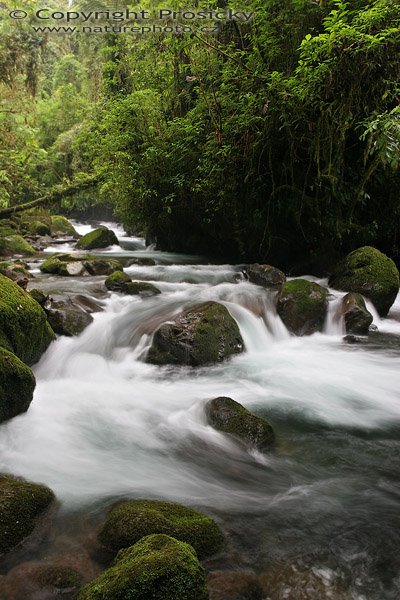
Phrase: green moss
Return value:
(158, 567)
(129, 521)
(39, 296)
(24, 329)
(57, 576)
(117, 281)
(99, 238)
(17, 384)
(142, 288)
(228, 416)
(61, 225)
(21, 502)
(302, 306)
(370, 273)
(15, 244)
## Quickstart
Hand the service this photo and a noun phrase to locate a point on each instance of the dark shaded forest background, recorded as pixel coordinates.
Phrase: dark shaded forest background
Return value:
(277, 140)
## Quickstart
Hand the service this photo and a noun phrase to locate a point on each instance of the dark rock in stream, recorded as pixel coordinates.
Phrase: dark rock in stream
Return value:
(356, 316)
(131, 520)
(21, 504)
(234, 585)
(302, 306)
(266, 276)
(44, 581)
(157, 567)
(121, 282)
(370, 273)
(69, 265)
(201, 335)
(228, 416)
(66, 318)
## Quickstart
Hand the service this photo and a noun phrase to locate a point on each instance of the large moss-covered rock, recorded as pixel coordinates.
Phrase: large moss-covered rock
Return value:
(356, 316)
(21, 503)
(61, 226)
(15, 244)
(117, 281)
(39, 228)
(99, 238)
(66, 318)
(17, 384)
(266, 276)
(228, 416)
(129, 521)
(202, 335)
(24, 329)
(302, 306)
(370, 273)
(158, 567)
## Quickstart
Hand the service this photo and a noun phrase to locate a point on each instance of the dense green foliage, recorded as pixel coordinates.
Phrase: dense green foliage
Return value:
(275, 140)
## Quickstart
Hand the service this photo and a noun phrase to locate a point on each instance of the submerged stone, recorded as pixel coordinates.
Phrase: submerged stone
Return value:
(158, 567)
(201, 335)
(302, 306)
(228, 416)
(129, 521)
(370, 273)
(234, 585)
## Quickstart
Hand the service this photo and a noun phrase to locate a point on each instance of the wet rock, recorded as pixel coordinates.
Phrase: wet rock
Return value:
(11, 245)
(24, 329)
(370, 273)
(354, 339)
(101, 266)
(266, 276)
(86, 303)
(68, 265)
(99, 238)
(234, 585)
(130, 521)
(141, 261)
(201, 335)
(17, 384)
(66, 318)
(16, 272)
(60, 226)
(40, 581)
(228, 416)
(302, 306)
(21, 504)
(158, 567)
(356, 316)
(141, 288)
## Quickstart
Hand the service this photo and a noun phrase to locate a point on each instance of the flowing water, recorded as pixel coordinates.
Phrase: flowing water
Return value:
(104, 424)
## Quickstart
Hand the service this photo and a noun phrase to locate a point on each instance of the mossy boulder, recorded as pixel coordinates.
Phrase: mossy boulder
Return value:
(24, 329)
(60, 226)
(302, 306)
(66, 318)
(266, 276)
(356, 316)
(21, 503)
(141, 288)
(17, 384)
(117, 281)
(99, 238)
(202, 335)
(228, 416)
(15, 244)
(158, 567)
(101, 266)
(370, 273)
(131, 520)
(39, 228)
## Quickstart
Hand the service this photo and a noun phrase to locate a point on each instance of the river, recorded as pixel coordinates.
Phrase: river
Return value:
(104, 424)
